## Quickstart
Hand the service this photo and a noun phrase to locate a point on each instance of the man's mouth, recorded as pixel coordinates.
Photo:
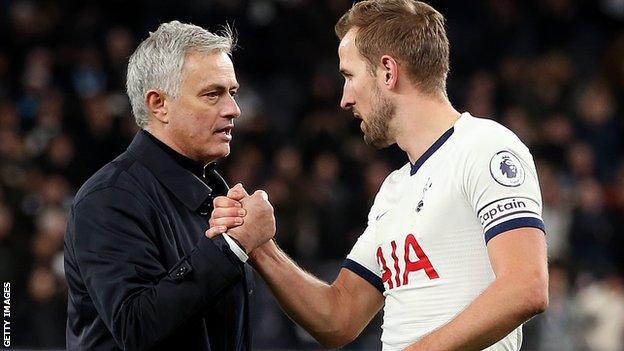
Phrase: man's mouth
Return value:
(227, 130)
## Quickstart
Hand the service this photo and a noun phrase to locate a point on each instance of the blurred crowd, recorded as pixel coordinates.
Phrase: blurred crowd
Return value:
(550, 70)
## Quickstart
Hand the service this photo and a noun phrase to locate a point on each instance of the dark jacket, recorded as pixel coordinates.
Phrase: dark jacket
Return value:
(140, 271)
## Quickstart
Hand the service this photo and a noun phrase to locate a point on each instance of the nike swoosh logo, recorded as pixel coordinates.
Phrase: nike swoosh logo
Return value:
(381, 215)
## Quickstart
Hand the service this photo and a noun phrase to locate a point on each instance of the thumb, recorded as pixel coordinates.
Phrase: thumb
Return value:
(237, 192)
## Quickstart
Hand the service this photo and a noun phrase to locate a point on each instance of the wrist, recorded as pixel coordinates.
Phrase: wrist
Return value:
(263, 251)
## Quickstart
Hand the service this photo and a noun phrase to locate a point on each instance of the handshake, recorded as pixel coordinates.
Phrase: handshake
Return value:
(246, 218)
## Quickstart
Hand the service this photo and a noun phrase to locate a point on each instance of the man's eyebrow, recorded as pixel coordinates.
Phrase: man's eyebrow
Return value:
(219, 87)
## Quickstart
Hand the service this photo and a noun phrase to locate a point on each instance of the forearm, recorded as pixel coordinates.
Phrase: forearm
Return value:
(501, 308)
(311, 303)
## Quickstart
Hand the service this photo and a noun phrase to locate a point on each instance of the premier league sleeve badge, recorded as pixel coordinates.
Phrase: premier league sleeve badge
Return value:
(507, 169)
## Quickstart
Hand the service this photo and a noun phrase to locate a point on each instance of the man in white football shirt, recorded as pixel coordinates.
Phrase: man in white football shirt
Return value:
(454, 249)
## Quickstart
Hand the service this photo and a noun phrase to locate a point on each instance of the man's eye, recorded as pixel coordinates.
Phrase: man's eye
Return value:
(212, 94)
(233, 93)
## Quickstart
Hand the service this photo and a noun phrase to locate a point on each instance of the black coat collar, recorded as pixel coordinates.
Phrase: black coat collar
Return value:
(177, 173)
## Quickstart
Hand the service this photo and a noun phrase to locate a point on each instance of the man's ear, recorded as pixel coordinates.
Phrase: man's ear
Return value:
(155, 102)
(390, 71)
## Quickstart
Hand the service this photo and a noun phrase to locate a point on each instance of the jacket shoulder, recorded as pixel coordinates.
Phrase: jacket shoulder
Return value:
(121, 173)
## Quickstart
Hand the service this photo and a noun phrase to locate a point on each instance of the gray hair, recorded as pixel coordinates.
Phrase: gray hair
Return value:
(157, 62)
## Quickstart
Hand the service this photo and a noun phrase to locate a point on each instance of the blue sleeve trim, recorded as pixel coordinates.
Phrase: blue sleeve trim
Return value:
(364, 273)
(515, 223)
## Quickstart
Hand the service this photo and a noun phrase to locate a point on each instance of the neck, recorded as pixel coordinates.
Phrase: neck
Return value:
(420, 121)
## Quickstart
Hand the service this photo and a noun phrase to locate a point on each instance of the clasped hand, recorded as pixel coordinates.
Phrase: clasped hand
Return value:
(247, 218)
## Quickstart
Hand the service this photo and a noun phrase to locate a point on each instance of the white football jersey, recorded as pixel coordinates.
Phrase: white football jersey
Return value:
(425, 244)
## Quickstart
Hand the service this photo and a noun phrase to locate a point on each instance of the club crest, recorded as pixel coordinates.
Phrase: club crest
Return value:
(421, 203)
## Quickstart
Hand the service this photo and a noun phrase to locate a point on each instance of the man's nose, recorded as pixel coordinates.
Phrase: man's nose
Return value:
(231, 110)
(346, 102)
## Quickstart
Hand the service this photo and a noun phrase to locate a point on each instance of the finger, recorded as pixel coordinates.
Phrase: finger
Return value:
(224, 201)
(228, 212)
(214, 231)
(242, 189)
(229, 222)
(238, 192)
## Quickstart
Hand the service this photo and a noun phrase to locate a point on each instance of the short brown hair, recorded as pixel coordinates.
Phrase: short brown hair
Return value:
(411, 31)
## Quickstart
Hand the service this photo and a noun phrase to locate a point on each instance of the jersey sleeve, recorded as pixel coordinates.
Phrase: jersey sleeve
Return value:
(362, 258)
(501, 184)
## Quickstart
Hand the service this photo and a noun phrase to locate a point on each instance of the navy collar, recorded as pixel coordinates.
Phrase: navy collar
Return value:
(176, 172)
(430, 151)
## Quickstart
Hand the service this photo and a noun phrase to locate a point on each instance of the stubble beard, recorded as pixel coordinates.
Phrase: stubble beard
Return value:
(377, 131)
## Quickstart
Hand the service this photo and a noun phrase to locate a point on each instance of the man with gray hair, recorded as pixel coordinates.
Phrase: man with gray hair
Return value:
(141, 272)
